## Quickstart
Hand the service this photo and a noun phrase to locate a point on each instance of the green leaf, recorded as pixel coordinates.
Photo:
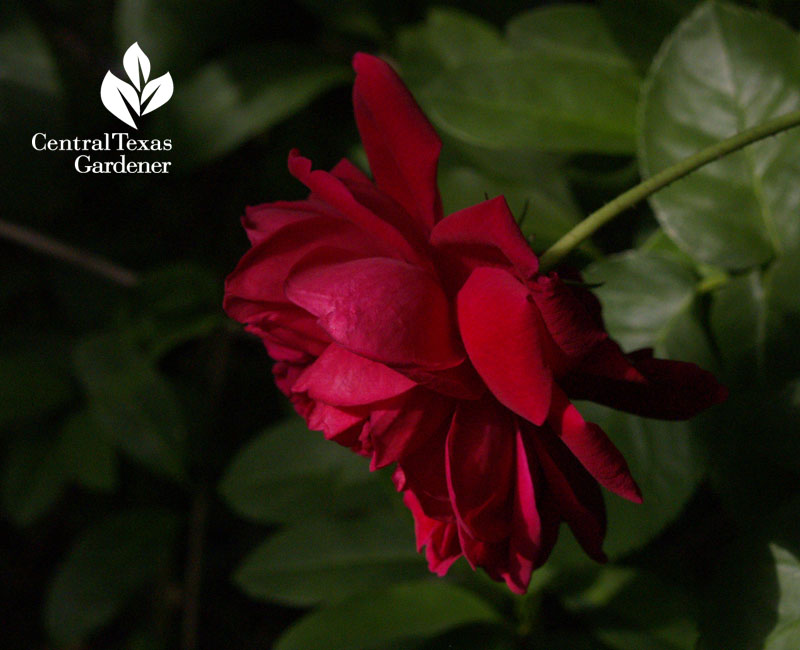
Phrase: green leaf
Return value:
(111, 563)
(132, 403)
(786, 635)
(559, 85)
(233, 99)
(403, 612)
(448, 38)
(87, 453)
(175, 305)
(326, 560)
(754, 319)
(663, 460)
(33, 480)
(649, 300)
(640, 26)
(723, 70)
(289, 473)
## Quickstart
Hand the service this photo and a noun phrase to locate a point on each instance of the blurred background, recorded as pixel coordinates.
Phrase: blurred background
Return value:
(155, 491)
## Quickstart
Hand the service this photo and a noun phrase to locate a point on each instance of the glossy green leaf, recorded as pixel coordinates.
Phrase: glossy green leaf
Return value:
(326, 560)
(754, 319)
(403, 612)
(228, 101)
(33, 480)
(664, 461)
(112, 562)
(289, 473)
(560, 85)
(132, 403)
(649, 300)
(723, 70)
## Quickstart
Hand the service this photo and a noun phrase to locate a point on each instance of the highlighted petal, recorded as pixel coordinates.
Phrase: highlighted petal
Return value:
(503, 335)
(401, 145)
(380, 308)
(341, 378)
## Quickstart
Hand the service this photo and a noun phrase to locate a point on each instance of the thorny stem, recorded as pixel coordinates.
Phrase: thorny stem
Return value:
(54, 248)
(614, 208)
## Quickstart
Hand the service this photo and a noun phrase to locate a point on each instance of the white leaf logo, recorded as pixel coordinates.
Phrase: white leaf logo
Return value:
(124, 100)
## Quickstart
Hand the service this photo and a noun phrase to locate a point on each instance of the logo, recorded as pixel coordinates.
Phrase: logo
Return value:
(139, 97)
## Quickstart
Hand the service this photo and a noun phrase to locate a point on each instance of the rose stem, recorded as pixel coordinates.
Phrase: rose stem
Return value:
(48, 246)
(614, 208)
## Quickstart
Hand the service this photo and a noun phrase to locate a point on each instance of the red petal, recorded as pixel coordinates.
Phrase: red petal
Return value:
(346, 171)
(654, 388)
(424, 472)
(341, 378)
(262, 221)
(333, 191)
(535, 524)
(440, 538)
(401, 145)
(485, 235)
(569, 319)
(260, 275)
(480, 462)
(403, 425)
(591, 446)
(573, 491)
(502, 332)
(383, 309)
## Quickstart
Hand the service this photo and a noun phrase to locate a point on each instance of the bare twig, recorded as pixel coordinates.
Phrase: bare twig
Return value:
(54, 248)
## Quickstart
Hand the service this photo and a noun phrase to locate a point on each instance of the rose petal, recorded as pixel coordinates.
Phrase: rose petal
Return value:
(503, 335)
(480, 460)
(341, 378)
(440, 538)
(485, 235)
(424, 473)
(639, 384)
(591, 446)
(401, 145)
(346, 171)
(383, 309)
(573, 491)
(404, 424)
(260, 275)
(568, 315)
(333, 191)
(262, 221)
(534, 524)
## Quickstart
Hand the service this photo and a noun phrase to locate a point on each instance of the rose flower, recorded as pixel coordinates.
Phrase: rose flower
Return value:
(434, 343)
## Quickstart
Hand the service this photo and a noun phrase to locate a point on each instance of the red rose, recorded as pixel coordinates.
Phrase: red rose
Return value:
(433, 343)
